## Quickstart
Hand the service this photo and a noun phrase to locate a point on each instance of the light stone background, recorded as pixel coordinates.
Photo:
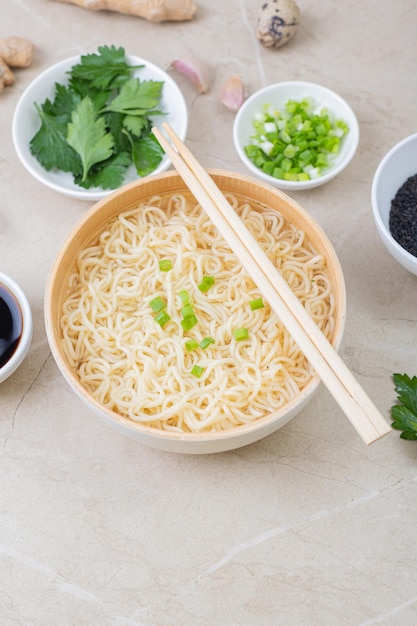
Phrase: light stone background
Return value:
(308, 527)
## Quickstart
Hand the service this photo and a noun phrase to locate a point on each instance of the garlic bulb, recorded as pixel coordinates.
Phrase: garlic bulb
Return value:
(232, 93)
(195, 70)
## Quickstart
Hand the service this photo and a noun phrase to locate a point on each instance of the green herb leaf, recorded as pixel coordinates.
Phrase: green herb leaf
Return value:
(135, 124)
(102, 71)
(50, 146)
(146, 154)
(108, 174)
(136, 97)
(64, 103)
(122, 140)
(406, 388)
(404, 414)
(88, 136)
(99, 156)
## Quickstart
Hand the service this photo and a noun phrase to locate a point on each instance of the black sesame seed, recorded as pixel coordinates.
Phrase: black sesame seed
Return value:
(403, 215)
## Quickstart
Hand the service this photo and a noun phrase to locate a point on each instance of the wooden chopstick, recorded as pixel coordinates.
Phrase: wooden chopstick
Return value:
(332, 370)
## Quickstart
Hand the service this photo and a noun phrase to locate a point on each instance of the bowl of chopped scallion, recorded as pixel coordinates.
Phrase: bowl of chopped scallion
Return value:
(296, 135)
(83, 126)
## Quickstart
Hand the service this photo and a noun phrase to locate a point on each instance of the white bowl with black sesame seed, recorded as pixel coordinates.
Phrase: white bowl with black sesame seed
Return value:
(394, 202)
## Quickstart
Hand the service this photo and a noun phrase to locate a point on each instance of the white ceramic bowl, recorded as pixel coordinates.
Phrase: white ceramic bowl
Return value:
(130, 196)
(26, 123)
(15, 306)
(277, 95)
(397, 165)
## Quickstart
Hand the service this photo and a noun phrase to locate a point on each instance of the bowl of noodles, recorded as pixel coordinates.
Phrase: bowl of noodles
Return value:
(157, 327)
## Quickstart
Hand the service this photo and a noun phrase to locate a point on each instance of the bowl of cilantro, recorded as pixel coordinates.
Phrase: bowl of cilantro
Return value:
(296, 135)
(83, 126)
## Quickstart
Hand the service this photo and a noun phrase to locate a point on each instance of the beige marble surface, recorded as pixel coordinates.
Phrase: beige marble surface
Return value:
(308, 527)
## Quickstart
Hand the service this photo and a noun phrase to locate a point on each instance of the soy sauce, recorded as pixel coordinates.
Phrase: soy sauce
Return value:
(11, 324)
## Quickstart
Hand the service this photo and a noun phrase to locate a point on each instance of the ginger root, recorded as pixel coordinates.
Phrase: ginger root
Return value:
(6, 75)
(152, 10)
(14, 52)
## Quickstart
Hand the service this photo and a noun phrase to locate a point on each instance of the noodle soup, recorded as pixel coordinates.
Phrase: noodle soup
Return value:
(176, 377)
(139, 266)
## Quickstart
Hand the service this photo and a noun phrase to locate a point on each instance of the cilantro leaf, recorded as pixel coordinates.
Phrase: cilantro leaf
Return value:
(406, 388)
(135, 124)
(115, 124)
(110, 174)
(146, 154)
(99, 124)
(137, 97)
(88, 136)
(102, 71)
(64, 102)
(50, 147)
(404, 413)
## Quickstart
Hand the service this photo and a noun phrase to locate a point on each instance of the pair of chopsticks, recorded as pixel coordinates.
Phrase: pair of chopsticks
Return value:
(332, 370)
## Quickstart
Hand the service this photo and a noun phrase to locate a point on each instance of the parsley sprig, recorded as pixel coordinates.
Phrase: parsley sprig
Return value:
(100, 123)
(404, 413)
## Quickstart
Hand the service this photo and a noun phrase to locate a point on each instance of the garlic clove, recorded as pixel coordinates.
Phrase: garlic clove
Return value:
(232, 93)
(195, 70)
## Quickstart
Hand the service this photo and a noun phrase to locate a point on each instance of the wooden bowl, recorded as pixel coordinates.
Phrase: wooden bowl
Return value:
(129, 196)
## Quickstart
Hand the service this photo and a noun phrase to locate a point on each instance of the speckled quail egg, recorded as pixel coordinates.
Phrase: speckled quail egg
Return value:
(278, 21)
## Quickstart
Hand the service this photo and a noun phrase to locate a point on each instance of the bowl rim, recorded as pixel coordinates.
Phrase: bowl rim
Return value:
(74, 191)
(383, 228)
(354, 134)
(145, 430)
(27, 331)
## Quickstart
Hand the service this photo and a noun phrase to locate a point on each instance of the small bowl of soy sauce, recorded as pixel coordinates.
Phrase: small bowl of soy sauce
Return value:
(394, 202)
(16, 326)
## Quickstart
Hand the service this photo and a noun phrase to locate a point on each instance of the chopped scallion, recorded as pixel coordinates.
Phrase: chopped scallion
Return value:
(189, 322)
(257, 303)
(157, 304)
(191, 344)
(187, 311)
(165, 265)
(197, 370)
(204, 343)
(240, 333)
(185, 296)
(162, 318)
(206, 283)
(298, 142)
